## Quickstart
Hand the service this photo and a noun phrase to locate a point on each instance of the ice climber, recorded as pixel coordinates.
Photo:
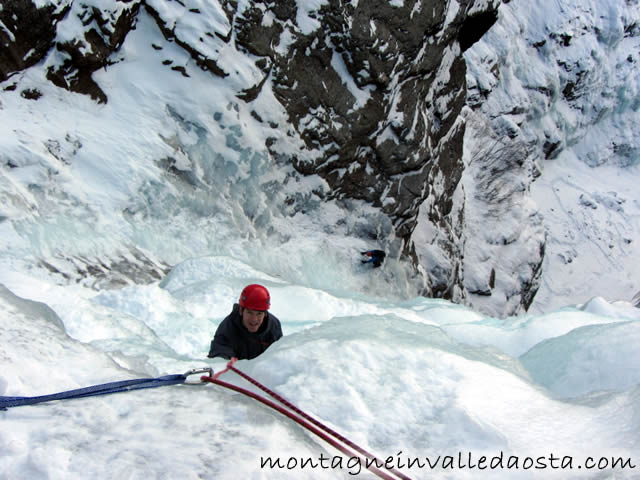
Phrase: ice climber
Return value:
(376, 257)
(249, 329)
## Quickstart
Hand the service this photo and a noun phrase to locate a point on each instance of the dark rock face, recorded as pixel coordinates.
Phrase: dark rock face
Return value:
(378, 90)
(384, 146)
(375, 93)
(105, 32)
(33, 31)
(30, 36)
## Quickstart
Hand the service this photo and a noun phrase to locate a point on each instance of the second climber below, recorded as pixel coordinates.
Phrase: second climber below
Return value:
(375, 257)
(249, 329)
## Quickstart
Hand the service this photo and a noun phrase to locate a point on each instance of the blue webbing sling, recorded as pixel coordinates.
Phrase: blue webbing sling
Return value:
(103, 389)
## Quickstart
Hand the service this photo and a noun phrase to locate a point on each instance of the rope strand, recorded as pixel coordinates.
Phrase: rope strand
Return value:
(305, 420)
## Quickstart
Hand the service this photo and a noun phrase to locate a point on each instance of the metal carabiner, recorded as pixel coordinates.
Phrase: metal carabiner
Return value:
(197, 371)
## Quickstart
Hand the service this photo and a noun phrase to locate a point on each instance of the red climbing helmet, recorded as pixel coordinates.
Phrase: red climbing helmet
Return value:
(255, 297)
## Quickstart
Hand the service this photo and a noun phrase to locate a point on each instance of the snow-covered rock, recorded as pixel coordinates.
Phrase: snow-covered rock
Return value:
(421, 134)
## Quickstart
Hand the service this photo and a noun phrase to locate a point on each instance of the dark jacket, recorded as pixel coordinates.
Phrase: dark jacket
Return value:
(232, 339)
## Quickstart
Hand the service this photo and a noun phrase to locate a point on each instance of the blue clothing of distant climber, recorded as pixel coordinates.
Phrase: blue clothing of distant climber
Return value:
(376, 257)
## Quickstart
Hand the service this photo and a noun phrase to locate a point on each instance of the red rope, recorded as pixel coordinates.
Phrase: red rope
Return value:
(301, 418)
(229, 367)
